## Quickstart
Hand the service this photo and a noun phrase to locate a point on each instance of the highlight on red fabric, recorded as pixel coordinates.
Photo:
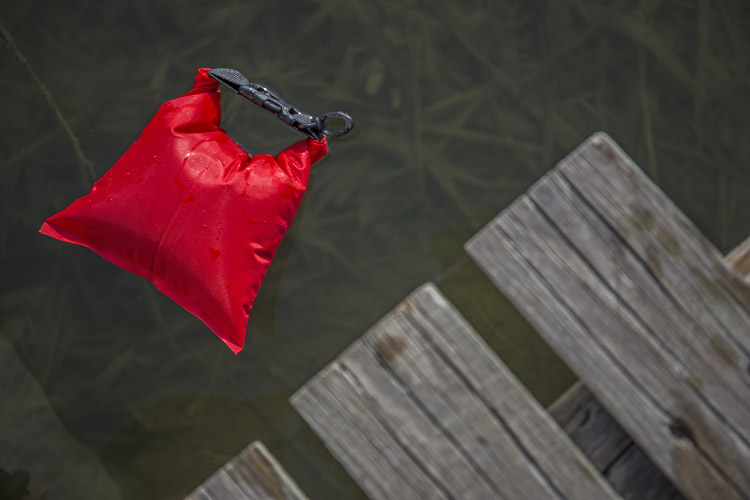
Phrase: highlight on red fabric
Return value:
(188, 209)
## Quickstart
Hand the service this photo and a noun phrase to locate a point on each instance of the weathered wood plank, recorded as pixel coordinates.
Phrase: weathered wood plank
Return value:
(590, 427)
(609, 448)
(656, 312)
(637, 478)
(606, 444)
(635, 300)
(420, 407)
(252, 475)
(372, 451)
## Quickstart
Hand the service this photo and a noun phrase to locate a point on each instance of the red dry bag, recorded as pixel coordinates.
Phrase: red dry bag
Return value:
(188, 209)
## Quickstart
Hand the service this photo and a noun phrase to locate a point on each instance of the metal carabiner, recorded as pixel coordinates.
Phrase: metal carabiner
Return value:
(348, 122)
(312, 125)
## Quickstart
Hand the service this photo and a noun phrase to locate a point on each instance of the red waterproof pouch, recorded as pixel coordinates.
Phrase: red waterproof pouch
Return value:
(188, 209)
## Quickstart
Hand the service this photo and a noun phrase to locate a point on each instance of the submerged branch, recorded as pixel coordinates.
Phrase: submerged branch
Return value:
(84, 162)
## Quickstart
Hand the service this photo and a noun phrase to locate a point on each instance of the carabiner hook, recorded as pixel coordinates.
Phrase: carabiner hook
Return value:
(313, 126)
(340, 115)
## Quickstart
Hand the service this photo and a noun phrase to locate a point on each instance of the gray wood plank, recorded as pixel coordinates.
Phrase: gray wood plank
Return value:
(637, 478)
(254, 474)
(640, 305)
(346, 418)
(590, 427)
(606, 444)
(420, 407)
(610, 449)
(678, 338)
(509, 401)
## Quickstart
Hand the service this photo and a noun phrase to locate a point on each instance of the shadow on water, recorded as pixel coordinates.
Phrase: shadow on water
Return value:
(459, 106)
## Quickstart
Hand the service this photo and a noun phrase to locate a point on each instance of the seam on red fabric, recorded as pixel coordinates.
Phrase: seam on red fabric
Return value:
(168, 227)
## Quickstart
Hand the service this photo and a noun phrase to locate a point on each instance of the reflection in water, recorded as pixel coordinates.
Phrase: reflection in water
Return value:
(459, 106)
(15, 486)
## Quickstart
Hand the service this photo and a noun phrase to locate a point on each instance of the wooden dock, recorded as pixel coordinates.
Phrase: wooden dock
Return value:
(252, 475)
(423, 400)
(650, 316)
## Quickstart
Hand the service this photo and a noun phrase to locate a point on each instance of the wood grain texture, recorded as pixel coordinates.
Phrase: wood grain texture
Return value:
(252, 475)
(739, 258)
(420, 407)
(590, 427)
(640, 306)
(596, 433)
(607, 445)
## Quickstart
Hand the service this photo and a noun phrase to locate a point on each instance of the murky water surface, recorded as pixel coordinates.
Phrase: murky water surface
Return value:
(111, 388)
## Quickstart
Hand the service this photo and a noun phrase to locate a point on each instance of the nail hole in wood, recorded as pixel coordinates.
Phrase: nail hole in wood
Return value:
(680, 429)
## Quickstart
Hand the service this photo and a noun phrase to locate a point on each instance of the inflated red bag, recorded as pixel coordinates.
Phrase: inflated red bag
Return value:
(188, 209)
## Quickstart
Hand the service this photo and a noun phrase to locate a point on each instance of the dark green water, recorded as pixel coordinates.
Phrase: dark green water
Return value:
(460, 106)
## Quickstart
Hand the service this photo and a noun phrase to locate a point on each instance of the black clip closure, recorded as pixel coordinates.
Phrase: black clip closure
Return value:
(313, 126)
